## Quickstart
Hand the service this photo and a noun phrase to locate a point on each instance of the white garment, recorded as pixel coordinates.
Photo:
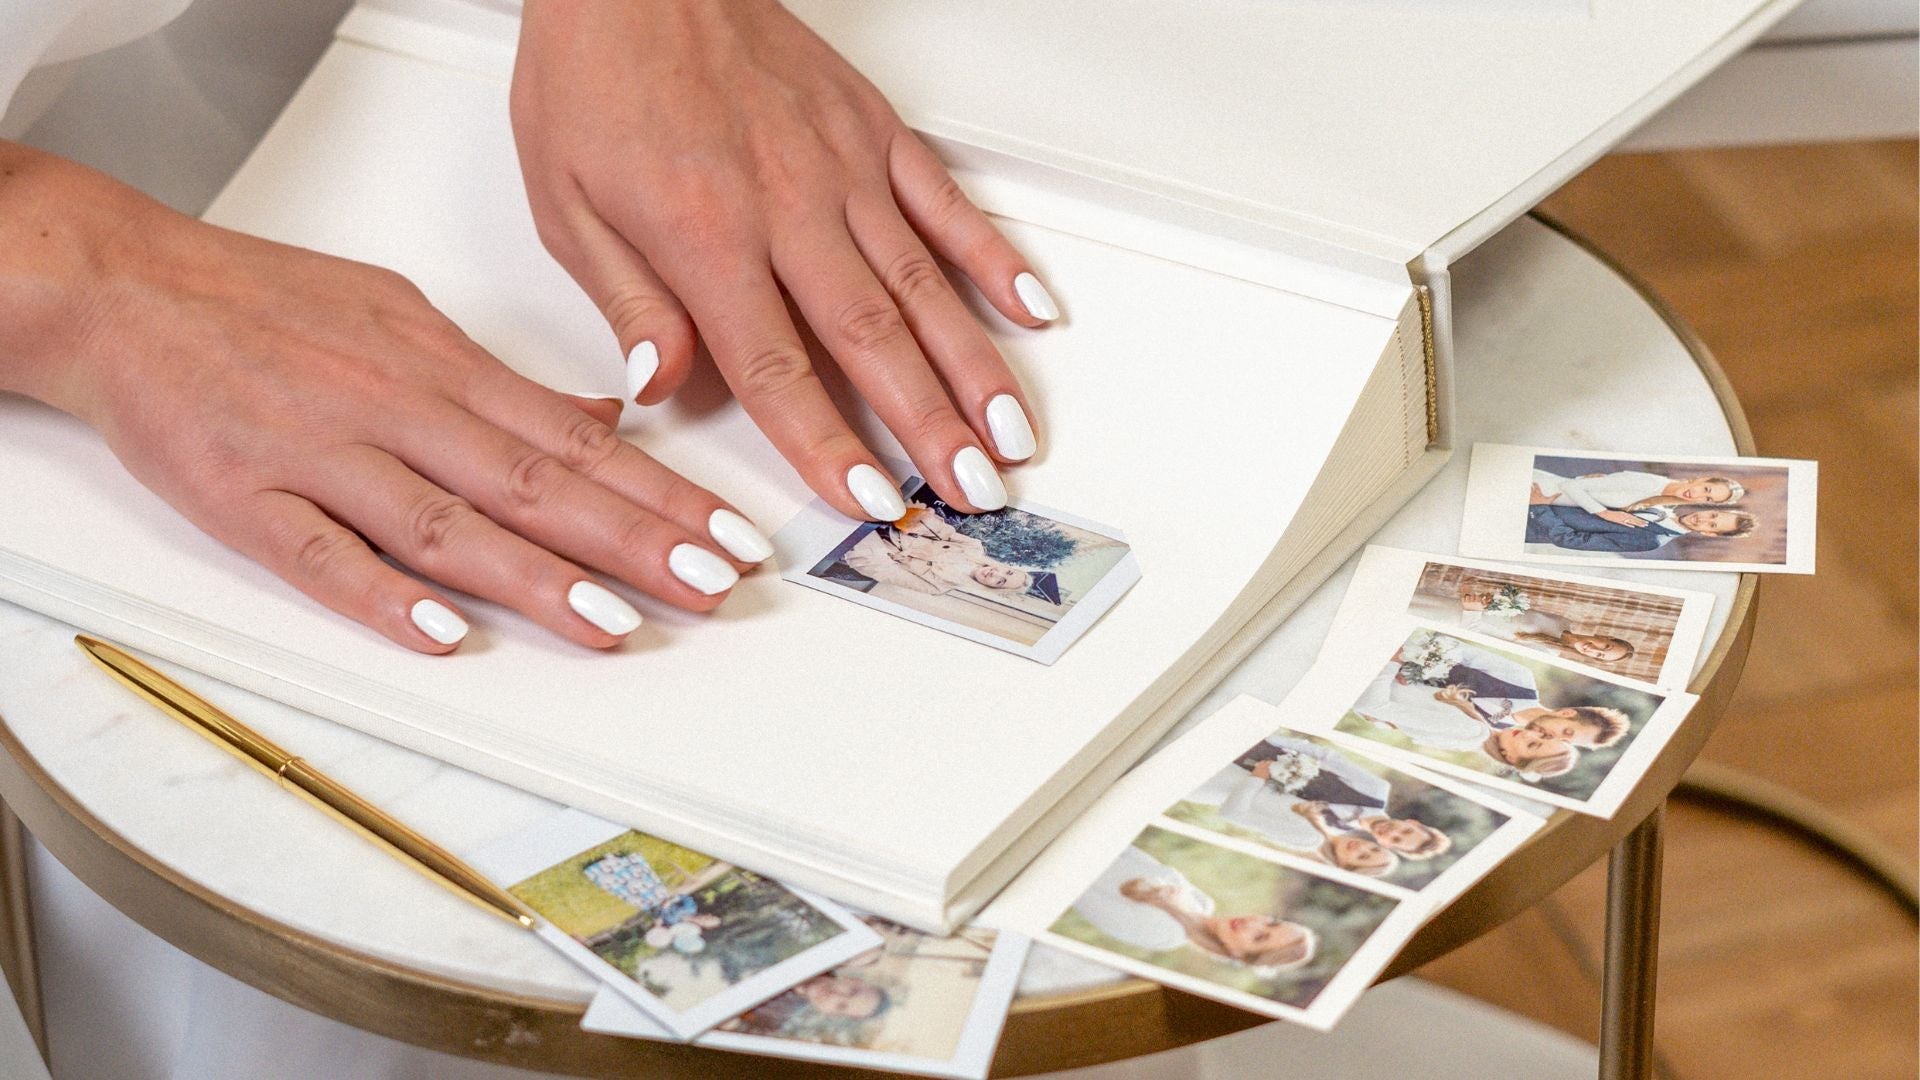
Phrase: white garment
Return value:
(1608, 491)
(1412, 709)
(36, 32)
(1252, 803)
(1141, 925)
(1510, 626)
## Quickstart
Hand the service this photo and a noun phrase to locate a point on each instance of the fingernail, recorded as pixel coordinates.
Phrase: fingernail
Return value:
(1035, 297)
(1007, 422)
(738, 536)
(701, 569)
(979, 481)
(876, 494)
(602, 608)
(439, 622)
(642, 363)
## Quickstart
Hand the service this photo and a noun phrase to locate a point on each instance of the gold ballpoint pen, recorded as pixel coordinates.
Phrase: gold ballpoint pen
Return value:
(296, 775)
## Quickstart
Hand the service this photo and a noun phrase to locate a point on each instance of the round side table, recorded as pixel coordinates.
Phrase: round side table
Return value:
(1556, 347)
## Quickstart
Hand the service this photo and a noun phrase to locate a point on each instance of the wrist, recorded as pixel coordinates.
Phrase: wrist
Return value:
(67, 236)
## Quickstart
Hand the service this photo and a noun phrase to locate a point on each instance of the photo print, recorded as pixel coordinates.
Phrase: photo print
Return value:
(1265, 933)
(1320, 800)
(920, 1003)
(1718, 513)
(690, 939)
(1514, 721)
(1025, 580)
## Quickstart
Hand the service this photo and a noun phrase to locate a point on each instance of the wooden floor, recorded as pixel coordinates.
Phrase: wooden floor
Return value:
(1798, 268)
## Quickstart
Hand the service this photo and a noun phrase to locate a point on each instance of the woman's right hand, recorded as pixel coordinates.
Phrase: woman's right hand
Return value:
(285, 401)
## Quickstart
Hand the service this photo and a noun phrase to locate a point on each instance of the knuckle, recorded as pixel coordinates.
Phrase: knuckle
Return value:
(637, 312)
(317, 555)
(870, 324)
(533, 477)
(433, 521)
(636, 539)
(685, 499)
(927, 419)
(947, 204)
(913, 277)
(589, 444)
(773, 371)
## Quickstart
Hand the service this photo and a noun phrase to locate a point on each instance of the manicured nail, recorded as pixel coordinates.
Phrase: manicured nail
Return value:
(701, 569)
(642, 364)
(876, 494)
(1012, 435)
(978, 479)
(738, 536)
(1035, 297)
(602, 608)
(438, 621)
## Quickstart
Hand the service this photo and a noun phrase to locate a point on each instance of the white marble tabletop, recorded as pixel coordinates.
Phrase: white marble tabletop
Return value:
(1554, 349)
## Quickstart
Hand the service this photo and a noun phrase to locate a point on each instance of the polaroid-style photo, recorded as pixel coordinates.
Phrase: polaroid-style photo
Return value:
(1265, 933)
(1510, 720)
(1674, 513)
(1616, 627)
(1026, 580)
(1363, 818)
(920, 1004)
(689, 939)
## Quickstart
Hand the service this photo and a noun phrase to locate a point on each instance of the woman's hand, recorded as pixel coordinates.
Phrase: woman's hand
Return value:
(285, 400)
(687, 160)
(1621, 517)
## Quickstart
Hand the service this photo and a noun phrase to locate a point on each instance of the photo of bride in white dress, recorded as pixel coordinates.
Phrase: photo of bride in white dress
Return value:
(1304, 795)
(1621, 630)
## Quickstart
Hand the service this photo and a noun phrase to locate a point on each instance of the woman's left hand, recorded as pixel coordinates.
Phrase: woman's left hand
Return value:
(688, 160)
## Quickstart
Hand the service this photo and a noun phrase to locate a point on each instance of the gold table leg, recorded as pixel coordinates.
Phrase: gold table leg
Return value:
(16, 927)
(1632, 953)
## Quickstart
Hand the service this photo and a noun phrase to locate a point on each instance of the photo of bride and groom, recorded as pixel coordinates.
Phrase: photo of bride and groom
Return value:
(1516, 718)
(1657, 510)
(1310, 797)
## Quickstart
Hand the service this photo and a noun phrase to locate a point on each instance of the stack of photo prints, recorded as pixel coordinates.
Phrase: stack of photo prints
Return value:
(1275, 857)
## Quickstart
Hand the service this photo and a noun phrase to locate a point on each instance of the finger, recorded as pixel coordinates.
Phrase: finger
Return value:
(753, 341)
(983, 387)
(603, 410)
(963, 235)
(535, 494)
(317, 555)
(656, 336)
(564, 427)
(442, 536)
(861, 326)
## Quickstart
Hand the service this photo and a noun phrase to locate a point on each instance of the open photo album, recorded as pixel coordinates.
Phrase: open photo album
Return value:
(1250, 375)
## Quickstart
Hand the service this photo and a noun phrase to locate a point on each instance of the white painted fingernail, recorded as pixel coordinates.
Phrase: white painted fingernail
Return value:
(642, 364)
(1035, 297)
(438, 621)
(1012, 435)
(738, 536)
(979, 481)
(597, 605)
(702, 569)
(876, 494)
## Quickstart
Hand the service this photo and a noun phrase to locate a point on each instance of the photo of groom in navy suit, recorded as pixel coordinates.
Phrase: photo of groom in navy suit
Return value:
(1576, 529)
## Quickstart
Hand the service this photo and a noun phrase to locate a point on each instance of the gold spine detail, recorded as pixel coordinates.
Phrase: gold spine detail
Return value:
(1425, 296)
